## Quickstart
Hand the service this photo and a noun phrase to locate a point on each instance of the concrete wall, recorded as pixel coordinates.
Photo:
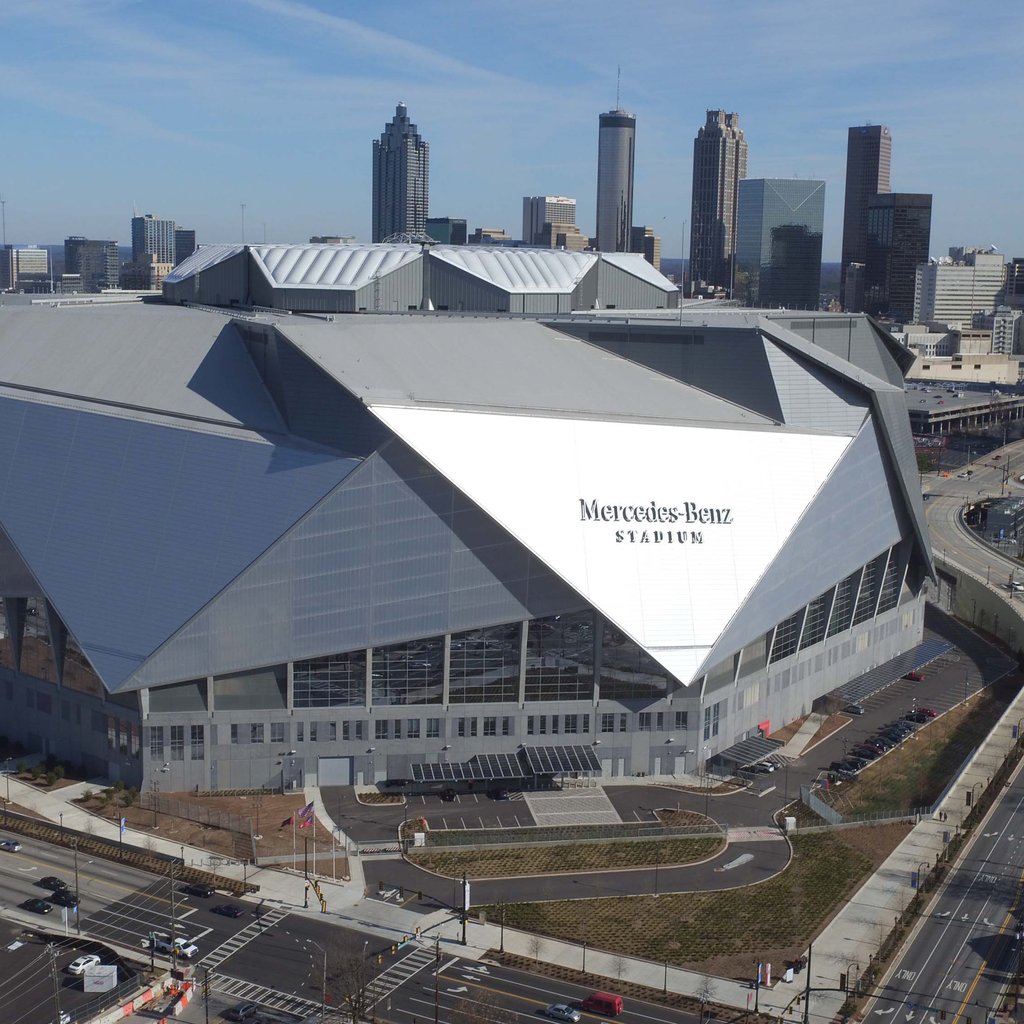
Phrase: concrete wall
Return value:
(988, 606)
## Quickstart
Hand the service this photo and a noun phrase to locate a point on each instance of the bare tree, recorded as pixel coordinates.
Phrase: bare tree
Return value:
(619, 965)
(534, 944)
(349, 973)
(705, 994)
(482, 1007)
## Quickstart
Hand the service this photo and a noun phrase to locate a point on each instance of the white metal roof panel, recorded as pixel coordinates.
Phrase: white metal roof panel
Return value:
(665, 528)
(331, 266)
(634, 263)
(204, 257)
(519, 270)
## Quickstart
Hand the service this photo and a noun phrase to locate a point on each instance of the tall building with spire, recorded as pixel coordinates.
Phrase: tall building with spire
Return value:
(615, 143)
(868, 159)
(719, 165)
(401, 178)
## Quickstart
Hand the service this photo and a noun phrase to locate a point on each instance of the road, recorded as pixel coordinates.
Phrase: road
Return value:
(961, 957)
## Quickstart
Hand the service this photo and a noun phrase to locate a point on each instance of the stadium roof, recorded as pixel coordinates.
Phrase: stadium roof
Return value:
(330, 266)
(520, 270)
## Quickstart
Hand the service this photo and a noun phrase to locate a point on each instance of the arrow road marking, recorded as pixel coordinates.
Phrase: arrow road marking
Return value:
(461, 988)
(945, 913)
(892, 1009)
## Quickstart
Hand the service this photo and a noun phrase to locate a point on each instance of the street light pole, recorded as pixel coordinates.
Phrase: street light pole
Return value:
(78, 898)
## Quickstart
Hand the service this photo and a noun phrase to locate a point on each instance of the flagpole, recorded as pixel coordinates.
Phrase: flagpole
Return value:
(293, 840)
(313, 820)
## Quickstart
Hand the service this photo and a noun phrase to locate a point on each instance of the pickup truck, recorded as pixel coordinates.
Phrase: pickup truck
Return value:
(184, 948)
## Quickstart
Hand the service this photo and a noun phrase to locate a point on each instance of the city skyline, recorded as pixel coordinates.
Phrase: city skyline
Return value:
(278, 115)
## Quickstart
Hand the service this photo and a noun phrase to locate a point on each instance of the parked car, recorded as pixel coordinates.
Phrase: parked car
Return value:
(853, 709)
(866, 753)
(760, 768)
(52, 882)
(200, 889)
(242, 1012)
(10, 845)
(498, 793)
(916, 717)
(559, 1011)
(914, 676)
(928, 712)
(448, 795)
(37, 906)
(83, 963)
(228, 910)
(902, 726)
(883, 742)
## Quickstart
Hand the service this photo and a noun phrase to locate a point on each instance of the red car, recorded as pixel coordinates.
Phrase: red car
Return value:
(915, 676)
(928, 712)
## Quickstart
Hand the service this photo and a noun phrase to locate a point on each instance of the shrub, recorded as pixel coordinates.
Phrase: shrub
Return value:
(130, 796)
(87, 796)
(51, 778)
(37, 771)
(119, 786)
(22, 768)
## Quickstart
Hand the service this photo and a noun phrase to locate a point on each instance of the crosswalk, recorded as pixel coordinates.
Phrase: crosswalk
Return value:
(267, 919)
(398, 974)
(249, 991)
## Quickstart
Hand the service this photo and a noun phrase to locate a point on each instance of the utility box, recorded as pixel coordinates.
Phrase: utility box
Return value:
(790, 823)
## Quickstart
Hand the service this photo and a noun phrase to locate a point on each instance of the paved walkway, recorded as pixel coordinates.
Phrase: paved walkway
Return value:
(572, 807)
(799, 740)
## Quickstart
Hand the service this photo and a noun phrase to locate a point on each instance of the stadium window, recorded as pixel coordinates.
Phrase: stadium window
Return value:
(412, 728)
(490, 725)
(472, 727)
(628, 672)
(380, 729)
(177, 743)
(483, 665)
(506, 725)
(198, 742)
(554, 725)
(660, 721)
(111, 732)
(332, 732)
(156, 742)
(680, 719)
(560, 657)
(542, 724)
(313, 732)
(360, 732)
(256, 732)
(607, 723)
(707, 723)
(396, 730)
(531, 724)
(300, 732)
(433, 728)
(644, 723)
(337, 680)
(585, 725)
(278, 732)
(623, 722)
(571, 724)
(346, 729)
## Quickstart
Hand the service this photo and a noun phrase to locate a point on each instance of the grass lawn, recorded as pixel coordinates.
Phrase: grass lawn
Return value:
(916, 772)
(543, 860)
(721, 931)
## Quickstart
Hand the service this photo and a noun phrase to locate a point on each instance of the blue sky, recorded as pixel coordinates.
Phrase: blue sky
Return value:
(188, 110)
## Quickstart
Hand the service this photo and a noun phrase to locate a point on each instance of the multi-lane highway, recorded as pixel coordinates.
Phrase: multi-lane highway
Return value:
(964, 952)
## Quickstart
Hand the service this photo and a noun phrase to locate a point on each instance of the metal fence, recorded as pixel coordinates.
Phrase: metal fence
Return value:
(810, 799)
(549, 834)
(162, 804)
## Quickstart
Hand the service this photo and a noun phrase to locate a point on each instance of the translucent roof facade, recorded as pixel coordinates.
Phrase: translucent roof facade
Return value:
(330, 266)
(520, 270)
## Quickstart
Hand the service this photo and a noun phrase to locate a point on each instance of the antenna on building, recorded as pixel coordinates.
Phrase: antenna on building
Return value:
(618, 83)
(3, 211)
(135, 209)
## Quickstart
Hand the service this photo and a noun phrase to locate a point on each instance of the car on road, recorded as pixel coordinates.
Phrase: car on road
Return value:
(83, 963)
(228, 910)
(52, 882)
(1015, 585)
(242, 1012)
(64, 898)
(10, 845)
(37, 906)
(199, 889)
(914, 676)
(559, 1011)
(853, 709)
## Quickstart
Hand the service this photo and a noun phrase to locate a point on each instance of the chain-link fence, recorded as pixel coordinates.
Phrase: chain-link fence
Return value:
(570, 834)
(162, 804)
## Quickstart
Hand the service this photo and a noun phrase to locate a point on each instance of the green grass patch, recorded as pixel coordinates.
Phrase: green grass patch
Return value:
(695, 928)
(917, 771)
(509, 861)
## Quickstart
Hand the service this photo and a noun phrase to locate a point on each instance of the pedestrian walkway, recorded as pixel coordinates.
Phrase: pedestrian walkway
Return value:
(799, 740)
(573, 807)
(267, 919)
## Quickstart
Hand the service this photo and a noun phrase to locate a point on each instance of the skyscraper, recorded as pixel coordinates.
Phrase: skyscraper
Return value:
(184, 243)
(152, 235)
(898, 234)
(615, 143)
(541, 210)
(94, 260)
(719, 164)
(868, 156)
(779, 223)
(24, 268)
(401, 178)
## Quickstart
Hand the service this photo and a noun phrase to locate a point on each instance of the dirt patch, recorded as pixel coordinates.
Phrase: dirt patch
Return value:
(380, 798)
(225, 826)
(718, 932)
(831, 725)
(787, 732)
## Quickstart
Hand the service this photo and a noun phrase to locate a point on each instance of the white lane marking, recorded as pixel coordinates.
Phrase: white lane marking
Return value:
(882, 1013)
(736, 862)
(461, 988)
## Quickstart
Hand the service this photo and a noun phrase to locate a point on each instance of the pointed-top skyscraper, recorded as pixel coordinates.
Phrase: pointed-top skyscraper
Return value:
(868, 158)
(615, 142)
(719, 164)
(401, 178)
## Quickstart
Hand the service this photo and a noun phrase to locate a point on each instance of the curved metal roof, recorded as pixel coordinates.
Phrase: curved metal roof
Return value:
(205, 256)
(519, 270)
(330, 266)
(635, 264)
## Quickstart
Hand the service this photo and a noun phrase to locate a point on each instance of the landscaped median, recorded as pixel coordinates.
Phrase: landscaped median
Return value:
(721, 932)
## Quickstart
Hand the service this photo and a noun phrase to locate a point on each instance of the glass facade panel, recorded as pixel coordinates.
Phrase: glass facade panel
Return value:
(890, 594)
(627, 671)
(338, 680)
(817, 618)
(842, 607)
(755, 656)
(868, 593)
(786, 635)
(484, 665)
(411, 673)
(560, 657)
(36, 657)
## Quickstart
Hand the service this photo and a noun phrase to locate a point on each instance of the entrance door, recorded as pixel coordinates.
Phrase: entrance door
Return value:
(334, 771)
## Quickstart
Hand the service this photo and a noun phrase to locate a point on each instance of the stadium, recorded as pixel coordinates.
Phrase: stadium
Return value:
(254, 550)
